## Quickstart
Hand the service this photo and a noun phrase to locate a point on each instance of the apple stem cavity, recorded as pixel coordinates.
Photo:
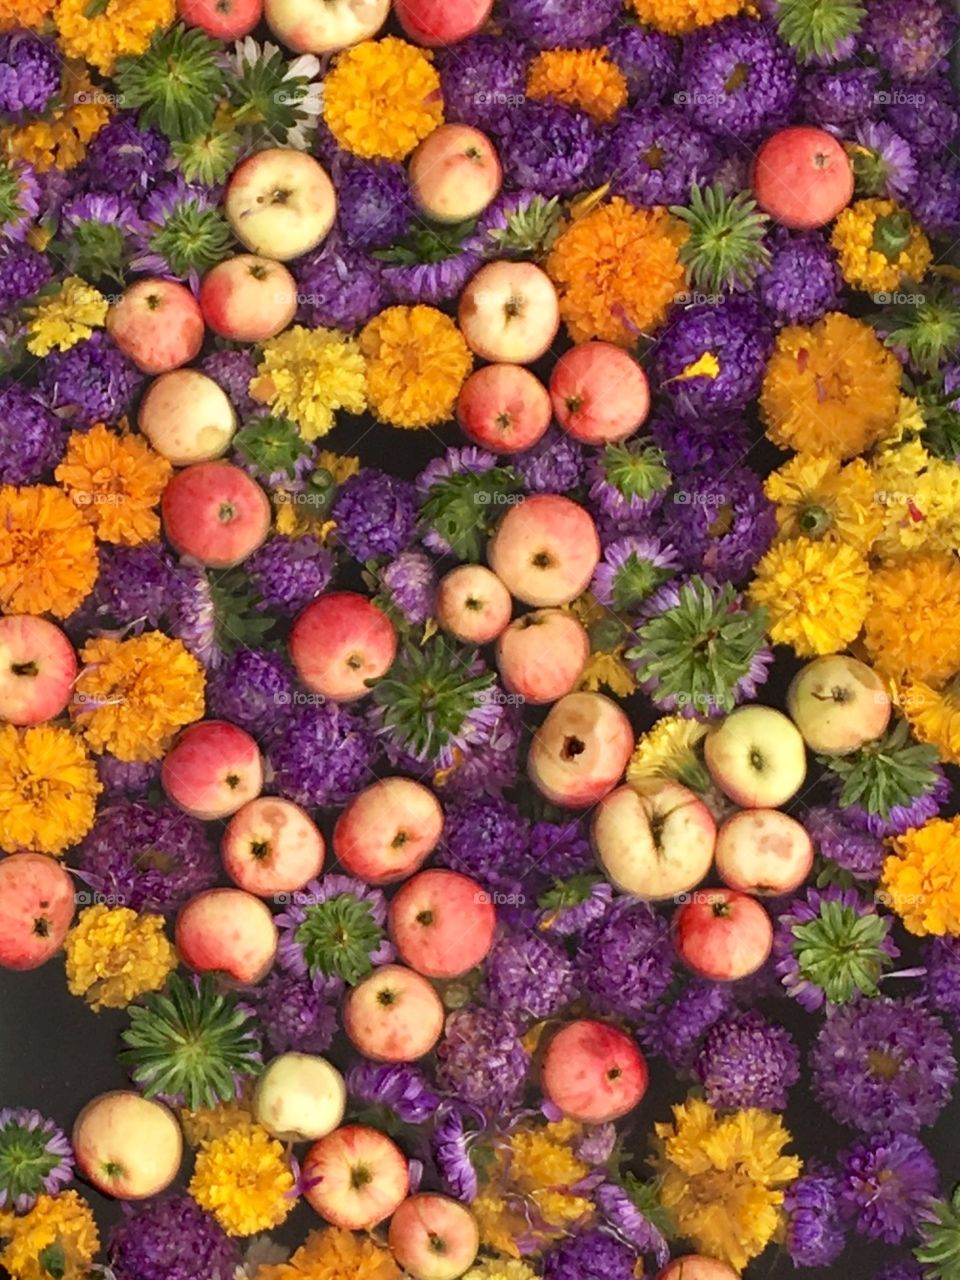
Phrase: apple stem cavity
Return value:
(260, 850)
(425, 918)
(572, 747)
(436, 1243)
(25, 668)
(41, 927)
(360, 1176)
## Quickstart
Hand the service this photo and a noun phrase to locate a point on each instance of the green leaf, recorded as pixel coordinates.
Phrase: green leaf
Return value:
(924, 320)
(815, 28)
(53, 1261)
(531, 231)
(263, 95)
(725, 248)
(433, 242)
(886, 773)
(209, 157)
(176, 83)
(636, 470)
(192, 238)
(338, 937)
(941, 416)
(569, 893)
(842, 950)
(464, 508)
(239, 623)
(646, 1196)
(272, 444)
(939, 1233)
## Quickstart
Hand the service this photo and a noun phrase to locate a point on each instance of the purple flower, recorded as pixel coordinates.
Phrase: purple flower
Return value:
(851, 848)
(721, 525)
(298, 1012)
(746, 1061)
(184, 232)
(632, 1227)
(399, 1087)
(486, 761)
(126, 779)
(287, 573)
(135, 586)
(625, 959)
(483, 79)
(22, 272)
(19, 199)
(32, 439)
(339, 287)
(409, 583)
(910, 38)
(715, 443)
(252, 688)
(548, 148)
(591, 1255)
(560, 849)
(934, 200)
(193, 616)
(886, 1183)
(648, 60)
(124, 158)
(926, 129)
(314, 938)
(738, 78)
(450, 1143)
(547, 23)
(232, 371)
(91, 382)
(171, 1239)
(628, 482)
(35, 1158)
(902, 817)
(631, 568)
(146, 858)
(655, 155)
(885, 165)
(555, 464)
(485, 837)
(677, 1028)
(30, 70)
(322, 755)
(883, 1064)
(735, 334)
(907, 1270)
(373, 200)
(838, 99)
(941, 982)
(572, 904)
(100, 231)
(431, 282)
(814, 1235)
(376, 514)
(528, 977)
(481, 1059)
(802, 281)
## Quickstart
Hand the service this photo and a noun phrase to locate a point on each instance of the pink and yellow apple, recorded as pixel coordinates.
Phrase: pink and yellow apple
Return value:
(697, 1267)
(216, 513)
(656, 843)
(300, 1097)
(454, 173)
(434, 1238)
(394, 1015)
(324, 26)
(212, 770)
(248, 299)
(441, 22)
(355, 1177)
(227, 931)
(756, 757)
(157, 324)
(763, 851)
(442, 923)
(509, 312)
(593, 1072)
(545, 550)
(580, 751)
(504, 407)
(187, 417)
(36, 909)
(472, 604)
(522, 647)
(37, 669)
(802, 177)
(839, 704)
(341, 642)
(387, 831)
(600, 394)
(222, 19)
(127, 1146)
(280, 203)
(722, 934)
(272, 846)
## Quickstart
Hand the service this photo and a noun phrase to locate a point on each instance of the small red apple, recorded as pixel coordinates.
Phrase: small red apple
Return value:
(212, 770)
(36, 909)
(37, 669)
(341, 642)
(472, 604)
(187, 417)
(434, 1238)
(521, 649)
(227, 931)
(272, 846)
(387, 831)
(545, 550)
(504, 407)
(442, 923)
(722, 934)
(394, 1015)
(439, 22)
(157, 323)
(216, 513)
(802, 177)
(248, 299)
(355, 1177)
(599, 392)
(454, 173)
(223, 19)
(580, 751)
(593, 1072)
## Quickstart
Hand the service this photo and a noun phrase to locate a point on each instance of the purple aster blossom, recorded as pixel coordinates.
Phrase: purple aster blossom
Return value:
(99, 210)
(171, 1239)
(252, 688)
(168, 203)
(625, 960)
(547, 23)
(911, 39)
(528, 977)
(710, 443)
(30, 72)
(849, 847)
(628, 483)
(814, 1235)
(146, 858)
(399, 1087)
(193, 615)
(135, 586)
(934, 200)
(322, 755)
(888, 169)
(126, 779)
(313, 897)
(654, 155)
(232, 371)
(509, 209)
(35, 1158)
(906, 1270)
(487, 838)
(298, 1012)
(738, 78)
(721, 526)
(32, 439)
(883, 1064)
(591, 1255)
(22, 272)
(555, 464)
(746, 1061)
(736, 334)
(373, 200)
(339, 287)
(929, 128)
(595, 1145)
(631, 568)
(91, 382)
(802, 281)
(548, 148)
(486, 761)
(561, 849)
(481, 1060)
(648, 59)
(431, 282)
(21, 199)
(454, 1132)
(887, 1182)
(409, 584)
(376, 514)
(633, 1228)
(455, 461)
(901, 817)
(838, 99)
(575, 903)
(941, 982)
(287, 573)
(125, 158)
(676, 1029)
(483, 79)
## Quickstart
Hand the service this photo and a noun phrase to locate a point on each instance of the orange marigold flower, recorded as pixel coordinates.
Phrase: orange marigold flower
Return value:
(584, 78)
(48, 554)
(116, 481)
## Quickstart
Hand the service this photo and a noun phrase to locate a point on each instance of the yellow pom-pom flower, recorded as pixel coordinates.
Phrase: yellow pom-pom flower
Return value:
(60, 138)
(670, 749)
(382, 98)
(919, 496)
(417, 361)
(116, 482)
(132, 696)
(832, 387)
(48, 789)
(921, 878)
(103, 32)
(206, 1123)
(617, 270)
(879, 246)
(61, 1226)
(501, 1269)
(584, 78)
(912, 630)
(308, 375)
(335, 1254)
(934, 716)
(679, 17)
(816, 594)
(244, 1179)
(818, 497)
(114, 955)
(48, 554)
(66, 317)
(723, 1177)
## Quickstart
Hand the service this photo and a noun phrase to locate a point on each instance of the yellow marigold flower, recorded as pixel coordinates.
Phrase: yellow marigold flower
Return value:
(48, 555)
(906, 425)
(207, 1123)
(132, 696)
(670, 749)
(816, 594)
(116, 481)
(617, 270)
(817, 497)
(308, 375)
(48, 789)
(913, 627)
(335, 1254)
(832, 387)
(60, 139)
(66, 317)
(723, 1177)
(678, 17)
(117, 29)
(879, 246)
(382, 98)
(417, 361)
(919, 496)
(500, 1225)
(584, 78)
(922, 877)
(341, 466)
(244, 1179)
(114, 955)
(934, 716)
(606, 664)
(501, 1269)
(65, 1223)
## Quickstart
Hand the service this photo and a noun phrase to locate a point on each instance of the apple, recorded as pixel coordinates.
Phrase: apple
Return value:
(212, 769)
(323, 26)
(272, 846)
(187, 417)
(600, 394)
(434, 1238)
(387, 831)
(472, 604)
(394, 1015)
(355, 1177)
(509, 312)
(222, 19)
(441, 22)
(36, 909)
(593, 1072)
(442, 923)
(756, 757)
(838, 704)
(37, 669)
(227, 931)
(656, 843)
(248, 299)
(280, 202)
(127, 1146)
(722, 934)
(802, 177)
(300, 1097)
(157, 324)
(763, 851)
(340, 643)
(580, 751)
(521, 649)
(216, 513)
(696, 1267)
(454, 173)
(545, 550)
(504, 408)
